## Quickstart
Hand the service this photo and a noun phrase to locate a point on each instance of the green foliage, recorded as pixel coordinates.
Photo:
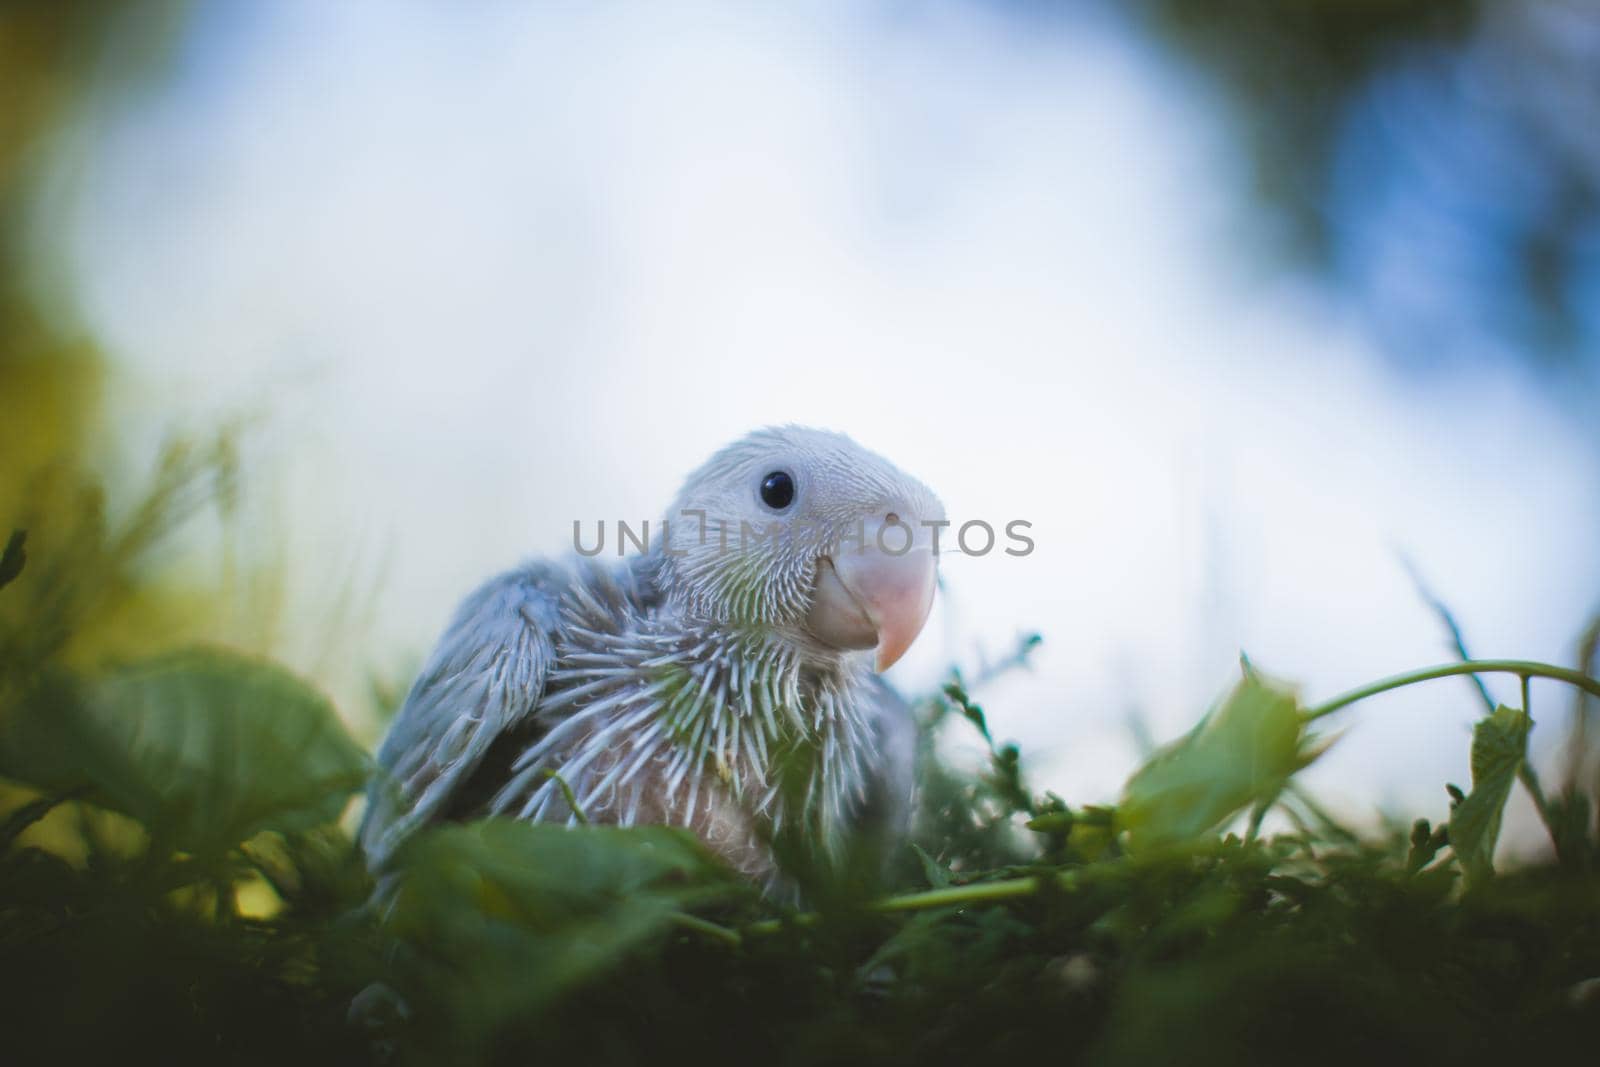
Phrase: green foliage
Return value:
(1240, 755)
(495, 920)
(171, 868)
(498, 942)
(967, 823)
(207, 746)
(1499, 746)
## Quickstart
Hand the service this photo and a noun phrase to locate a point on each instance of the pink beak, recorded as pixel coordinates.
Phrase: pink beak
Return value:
(867, 597)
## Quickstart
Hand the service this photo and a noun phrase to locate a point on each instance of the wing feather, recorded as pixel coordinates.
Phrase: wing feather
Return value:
(485, 677)
(886, 812)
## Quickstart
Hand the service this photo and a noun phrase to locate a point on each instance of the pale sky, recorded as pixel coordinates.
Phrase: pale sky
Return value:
(482, 273)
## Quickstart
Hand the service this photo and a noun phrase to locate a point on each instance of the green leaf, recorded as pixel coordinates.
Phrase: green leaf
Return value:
(970, 711)
(205, 747)
(1426, 841)
(938, 874)
(1242, 753)
(1499, 745)
(1052, 822)
(13, 557)
(1005, 778)
(501, 917)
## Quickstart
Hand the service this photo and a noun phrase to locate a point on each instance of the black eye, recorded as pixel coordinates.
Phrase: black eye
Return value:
(777, 490)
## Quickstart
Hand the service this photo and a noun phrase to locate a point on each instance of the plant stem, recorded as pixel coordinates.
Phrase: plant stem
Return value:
(567, 794)
(707, 927)
(976, 893)
(1526, 774)
(1521, 668)
(928, 899)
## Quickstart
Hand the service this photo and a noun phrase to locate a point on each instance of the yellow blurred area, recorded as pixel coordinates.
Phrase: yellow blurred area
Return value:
(254, 898)
(72, 832)
(79, 599)
(54, 446)
(67, 829)
(51, 379)
(34, 41)
(56, 388)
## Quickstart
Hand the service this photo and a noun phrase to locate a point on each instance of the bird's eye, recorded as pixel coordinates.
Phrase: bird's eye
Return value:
(777, 490)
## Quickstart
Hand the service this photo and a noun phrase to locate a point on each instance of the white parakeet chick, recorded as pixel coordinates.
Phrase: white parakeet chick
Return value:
(723, 681)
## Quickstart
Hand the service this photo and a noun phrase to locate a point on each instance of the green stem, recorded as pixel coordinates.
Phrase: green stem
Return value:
(1521, 668)
(569, 796)
(1526, 774)
(707, 927)
(976, 893)
(928, 899)
(772, 926)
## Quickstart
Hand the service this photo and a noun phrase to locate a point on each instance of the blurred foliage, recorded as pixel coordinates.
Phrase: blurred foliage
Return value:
(55, 378)
(209, 746)
(197, 900)
(86, 563)
(1437, 160)
(171, 868)
(1294, 65)
(496, 922)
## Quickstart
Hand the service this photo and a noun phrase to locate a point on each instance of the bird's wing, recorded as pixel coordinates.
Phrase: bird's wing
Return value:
(485, 677)
(886, 812)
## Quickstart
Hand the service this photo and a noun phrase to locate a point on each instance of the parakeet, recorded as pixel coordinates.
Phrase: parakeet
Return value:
(721, 681)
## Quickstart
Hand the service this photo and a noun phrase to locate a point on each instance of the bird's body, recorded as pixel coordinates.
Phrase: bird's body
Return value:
(700, 685)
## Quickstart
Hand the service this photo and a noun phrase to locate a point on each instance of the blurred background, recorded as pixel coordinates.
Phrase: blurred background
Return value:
(1242, 304)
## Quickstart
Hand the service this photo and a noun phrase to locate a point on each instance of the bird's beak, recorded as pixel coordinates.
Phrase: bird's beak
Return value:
(867, 597)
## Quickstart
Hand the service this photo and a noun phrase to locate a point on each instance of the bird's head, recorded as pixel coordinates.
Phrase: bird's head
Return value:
(808, 535)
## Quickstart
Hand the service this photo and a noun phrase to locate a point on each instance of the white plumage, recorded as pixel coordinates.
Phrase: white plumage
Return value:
(718, 682)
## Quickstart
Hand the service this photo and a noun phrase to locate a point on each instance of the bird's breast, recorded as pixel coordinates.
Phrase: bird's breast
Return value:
(732, 739)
